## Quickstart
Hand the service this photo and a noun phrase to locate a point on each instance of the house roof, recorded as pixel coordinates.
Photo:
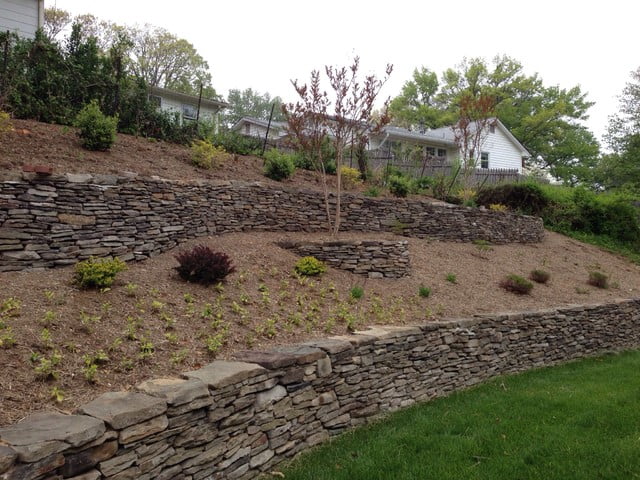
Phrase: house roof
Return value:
(259, 122)
(184, 97)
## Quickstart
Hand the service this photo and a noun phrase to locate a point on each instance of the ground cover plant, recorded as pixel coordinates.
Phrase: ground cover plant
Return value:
(578, 420)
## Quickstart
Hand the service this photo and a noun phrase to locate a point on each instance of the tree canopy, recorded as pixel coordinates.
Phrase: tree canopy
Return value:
(250, 103)
(547, 120)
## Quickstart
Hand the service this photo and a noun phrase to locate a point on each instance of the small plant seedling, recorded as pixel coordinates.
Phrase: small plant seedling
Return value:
(48, 318)
(147, 349)
(131, 289)
(7, 340)
(157, 306)
(539, 276)
(178, 358)
(356, 292)
(188, 298)
(598, 279)
(423, 291)
(57, 395)
(451, 278)
(45, 337)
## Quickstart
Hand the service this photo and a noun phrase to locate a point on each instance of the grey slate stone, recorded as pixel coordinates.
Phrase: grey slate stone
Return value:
(176, 391)
(221, 373)
(122, 409)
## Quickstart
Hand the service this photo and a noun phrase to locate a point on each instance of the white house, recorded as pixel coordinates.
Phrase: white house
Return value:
(499, 149)
(23, 17)
(188, 107)
(255, 127)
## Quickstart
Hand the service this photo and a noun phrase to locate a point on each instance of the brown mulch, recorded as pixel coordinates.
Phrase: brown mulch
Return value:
(152, 324)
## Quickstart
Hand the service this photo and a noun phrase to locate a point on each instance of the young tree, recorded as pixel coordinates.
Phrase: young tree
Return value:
(345, 119)
(55, 21)
(475, 120)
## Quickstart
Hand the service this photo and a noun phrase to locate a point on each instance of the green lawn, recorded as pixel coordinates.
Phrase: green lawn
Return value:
(578, 421)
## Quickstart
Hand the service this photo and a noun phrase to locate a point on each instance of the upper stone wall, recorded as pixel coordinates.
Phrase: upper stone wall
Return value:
(51, 221)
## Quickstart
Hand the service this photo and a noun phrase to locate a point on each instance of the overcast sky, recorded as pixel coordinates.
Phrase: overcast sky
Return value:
(264, 44)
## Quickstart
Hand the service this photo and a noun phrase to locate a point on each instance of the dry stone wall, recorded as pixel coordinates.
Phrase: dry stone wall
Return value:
(235, 419)
(374, 259)
(51, 221)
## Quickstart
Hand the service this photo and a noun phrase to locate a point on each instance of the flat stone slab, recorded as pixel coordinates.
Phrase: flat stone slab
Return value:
(302, 353)
(46, 433)
(267, 359)
(175, 391)
(7, 457)
(387, 332)
(221, 373)
(331, 345)
(122, 409)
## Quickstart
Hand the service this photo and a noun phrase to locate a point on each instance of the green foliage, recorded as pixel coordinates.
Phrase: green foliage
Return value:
(527, 198)
(372, 191)
(233, 142)
(206, 155)
(350, 176)
(203, 265)
(278, 166)
(5, 123)
(310, 266)
(249, 103)
(399, 186)
(598, 279)
(451, 278)
(98, 272)
(423, 291)
(539, 276)
(96, 130)
(356, 292)
(516, 284)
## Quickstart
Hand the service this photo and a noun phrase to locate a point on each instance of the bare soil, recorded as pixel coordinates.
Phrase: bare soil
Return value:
(151, 323)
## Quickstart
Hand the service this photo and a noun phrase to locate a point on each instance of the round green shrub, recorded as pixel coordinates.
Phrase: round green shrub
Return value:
(278, 166)
(399, 186)
(598, 279)
(539, 276)
(356, 292)
(96, 130)
(516, 284)
(310, 266)
(98, 272)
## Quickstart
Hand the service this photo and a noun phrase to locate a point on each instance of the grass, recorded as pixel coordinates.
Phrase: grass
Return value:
(577, 421)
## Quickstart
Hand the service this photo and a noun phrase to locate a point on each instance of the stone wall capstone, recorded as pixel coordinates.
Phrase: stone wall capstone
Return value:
(53, 221)
(236, 419)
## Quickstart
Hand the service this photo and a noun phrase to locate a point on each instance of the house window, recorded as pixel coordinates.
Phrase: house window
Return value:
(484, 159)
(247, 129)
(189, 111)
(442, 152)
(155, 100)
(492, 129)
(431, 151)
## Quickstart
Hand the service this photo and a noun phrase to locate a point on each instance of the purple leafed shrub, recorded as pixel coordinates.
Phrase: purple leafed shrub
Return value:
(203, 265)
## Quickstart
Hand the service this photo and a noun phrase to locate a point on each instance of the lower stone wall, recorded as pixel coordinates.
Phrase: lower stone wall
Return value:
(374, 259)
(233, 420)
(54, 221)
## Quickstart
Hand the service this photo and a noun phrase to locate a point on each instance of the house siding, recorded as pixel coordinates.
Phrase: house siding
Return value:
(502, 152)
(173, 105)
(20, 16)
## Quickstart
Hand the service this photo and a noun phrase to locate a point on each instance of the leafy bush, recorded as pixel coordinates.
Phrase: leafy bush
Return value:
(97, 131)
(451, 278)
(237, 143)
(467, 196)
(372, 191)
(539, 276)
(203, 265)
(350, 176)
(98, 272)
(421, 184)
(598, 279)
(516, 284)
(310, 266)
(5, 123)
(423, 291)
(498, 207)
(356, 292)
(205, 155)
(399, 186)
(278, 166)
(527, 198)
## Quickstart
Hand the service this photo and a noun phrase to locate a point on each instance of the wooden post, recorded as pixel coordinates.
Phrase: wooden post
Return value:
(266, 135)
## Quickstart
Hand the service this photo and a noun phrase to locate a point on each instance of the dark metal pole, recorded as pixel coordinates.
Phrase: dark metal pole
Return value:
(266, 135)
(199, 102)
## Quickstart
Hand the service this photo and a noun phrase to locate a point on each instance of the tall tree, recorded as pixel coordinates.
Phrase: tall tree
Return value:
(546, 120)
(55, 21)
(249, 103)
(164, 60)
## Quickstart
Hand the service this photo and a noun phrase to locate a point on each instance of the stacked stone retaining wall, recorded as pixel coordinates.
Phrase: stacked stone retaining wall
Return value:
(374, 259)
(236, 419)
(51, 221)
